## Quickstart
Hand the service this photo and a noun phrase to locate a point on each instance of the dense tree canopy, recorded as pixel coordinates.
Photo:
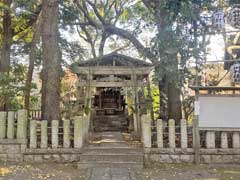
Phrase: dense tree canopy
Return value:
(53, 34)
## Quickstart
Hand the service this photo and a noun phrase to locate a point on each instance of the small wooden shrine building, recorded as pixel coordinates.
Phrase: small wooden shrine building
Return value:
(105, 83)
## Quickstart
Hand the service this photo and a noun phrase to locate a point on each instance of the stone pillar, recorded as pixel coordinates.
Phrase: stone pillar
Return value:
(85, 120)
(66, 133)
(236, 140)
(184, 139)
(44, 134)
(10, 127)
(210, 139)
(55, 124)
(159, 133)
(22, 124)
(224, 140)
(146, 131)
(78, 132)
(171, 135)
(33, 134)
(2, 125)
(90, 117)
(135, 122)
(136, 117)
(88, 101)
(100, 100)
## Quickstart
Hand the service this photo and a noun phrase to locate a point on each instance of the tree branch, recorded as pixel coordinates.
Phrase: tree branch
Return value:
(127, 35)
(96, 12)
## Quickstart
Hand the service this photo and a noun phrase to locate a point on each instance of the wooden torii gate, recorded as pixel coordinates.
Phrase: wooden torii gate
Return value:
(112, 71)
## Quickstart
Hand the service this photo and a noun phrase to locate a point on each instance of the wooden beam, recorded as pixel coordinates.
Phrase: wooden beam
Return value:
(108, 84)
(215, 88)
(112, 70)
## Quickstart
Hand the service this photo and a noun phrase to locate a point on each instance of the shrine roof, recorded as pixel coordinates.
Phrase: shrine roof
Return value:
(114, 58)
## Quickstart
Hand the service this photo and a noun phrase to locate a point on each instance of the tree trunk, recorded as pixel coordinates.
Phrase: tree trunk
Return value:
(170, 102)
(162, 87)
(5, 47)
(174, 109)
(51, 61)
(102, 43)
(32, 56)
(174, 102)
(6, 38)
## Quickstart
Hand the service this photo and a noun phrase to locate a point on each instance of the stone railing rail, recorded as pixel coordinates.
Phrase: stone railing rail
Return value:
(179, 136)
(13, 125)
(35, 114)
(43, 134)
(173, 144)
(25, 139)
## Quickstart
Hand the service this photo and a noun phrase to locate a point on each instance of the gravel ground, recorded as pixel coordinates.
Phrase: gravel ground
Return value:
(53, 171)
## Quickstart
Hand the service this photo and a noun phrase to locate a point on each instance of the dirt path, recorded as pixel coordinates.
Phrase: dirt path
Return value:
(156, 172)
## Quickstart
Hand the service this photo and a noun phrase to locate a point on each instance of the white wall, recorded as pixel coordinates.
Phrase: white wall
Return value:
(219, 111)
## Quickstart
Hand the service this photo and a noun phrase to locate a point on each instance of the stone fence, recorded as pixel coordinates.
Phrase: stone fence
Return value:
(22, 139)
(167, 142)
(33, 140)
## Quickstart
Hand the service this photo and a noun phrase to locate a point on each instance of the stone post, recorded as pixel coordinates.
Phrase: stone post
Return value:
(86, 126)
(33, 134)
(22, 124)
(78, 132)
(236, 140)
(66, 133)
(146, 131)
(184, 139)
(224, 140)
(55, 124)
(44, 134)
(136, 117)
(135, 122)
(210, 139)
(10, 127)
(171, 131)
(159, 133)
(2, 125)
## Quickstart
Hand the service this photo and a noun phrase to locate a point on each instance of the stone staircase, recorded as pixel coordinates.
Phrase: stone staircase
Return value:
(111, 157)
(110, 123)
(111, 150)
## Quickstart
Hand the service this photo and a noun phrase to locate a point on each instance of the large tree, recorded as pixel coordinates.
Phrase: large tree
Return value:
(17, 18)
(6, 37)
(172, 21)
(51, 61)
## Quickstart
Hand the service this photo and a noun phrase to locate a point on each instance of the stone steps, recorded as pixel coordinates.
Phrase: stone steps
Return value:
(111, 157)
(110, 123)
(116, 149)
(102, 164)
(110, 128)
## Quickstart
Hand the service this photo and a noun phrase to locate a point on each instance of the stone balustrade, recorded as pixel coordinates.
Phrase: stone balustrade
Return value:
(172, 142)
(166, 135)
(170, 135)
(11, 130)
(43, 134)
(22, 139)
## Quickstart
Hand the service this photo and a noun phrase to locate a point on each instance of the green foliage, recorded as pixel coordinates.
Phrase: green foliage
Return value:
(12, 86)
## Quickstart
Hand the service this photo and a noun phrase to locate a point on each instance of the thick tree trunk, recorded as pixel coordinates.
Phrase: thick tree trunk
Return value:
(51, 61)
(170, 102)
(6, 38)
(174, 102)
(162, 87)
(5, 47)
(174, 105)
(32, 57)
